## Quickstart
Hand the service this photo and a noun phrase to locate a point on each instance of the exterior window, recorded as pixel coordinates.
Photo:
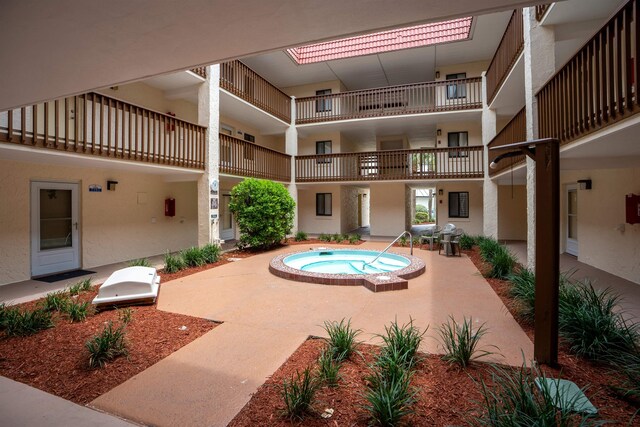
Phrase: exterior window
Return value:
(458, 90)
(323, 147)
(323, 204)
(324, 104)
(458, 139)
(248, 150)
(459, 204)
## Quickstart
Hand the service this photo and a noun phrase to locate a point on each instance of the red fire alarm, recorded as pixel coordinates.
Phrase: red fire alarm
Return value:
(170, 207)
(633, 208)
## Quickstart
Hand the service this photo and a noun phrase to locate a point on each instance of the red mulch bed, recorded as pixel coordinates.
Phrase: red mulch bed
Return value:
(291, 242)
(56, 360)
(224, 259)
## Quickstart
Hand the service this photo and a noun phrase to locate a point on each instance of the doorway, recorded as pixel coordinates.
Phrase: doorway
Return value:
(227, 231)
(55, 235)
(572, 220)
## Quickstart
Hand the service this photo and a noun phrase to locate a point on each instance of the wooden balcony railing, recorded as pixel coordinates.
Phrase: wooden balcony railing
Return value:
(445, 95)
(242, 158)
(541, 9)
(245, 83)
(508, 51)
(514, 131)
(201, 71)
(98, 125)
(598, 86)
(426, 163)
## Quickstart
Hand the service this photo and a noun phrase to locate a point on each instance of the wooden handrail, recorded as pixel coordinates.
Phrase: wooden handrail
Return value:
(201, 71)
(245, 83)
(99, 125)
(424, 163)
(509, 49)
(444, 95)
(598, 86)
(541, 9)
(514, 131)
(243, 158)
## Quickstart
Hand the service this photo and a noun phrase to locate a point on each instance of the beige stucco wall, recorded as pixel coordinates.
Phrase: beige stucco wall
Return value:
(311, 88)
(150, 97)
(471, 225)
(473, 69)
(114, 226)
(601, 219)
(274, 142)
(308, 221)
(387, 209)
(474, 129)
(307, 145)
(512, 212)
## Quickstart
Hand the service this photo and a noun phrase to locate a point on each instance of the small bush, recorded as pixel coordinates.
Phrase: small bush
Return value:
(342, 339)
(422, 217)
(210, 253)
(401, 343)
(301, 236)
(4, 310)
(460, 341)
(389, 398)
(467, 242)
(193, 257)
(523, 290)
(403, 241)
(125, 315)
(502, 263)
(337, 238)
(141, 262)
(298, 394)
(354, 238)
(20, 323)
(325, 237)
(173, 263)
(488, 248)
(56, 301)
(106, 346)
(627, 366)
(329, 369)
(77, 311)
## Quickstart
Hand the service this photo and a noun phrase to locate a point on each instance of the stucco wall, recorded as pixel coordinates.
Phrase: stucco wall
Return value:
(473, 69)
(474, 129)
(471, 225)
(512, 212)
(388, 205)
(601, 216)
(308, 221)
(310, 89)
(273, 142)
(115, 227)
(307, 145)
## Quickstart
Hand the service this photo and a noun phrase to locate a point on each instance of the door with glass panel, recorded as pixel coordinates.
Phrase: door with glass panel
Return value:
(227, 231)
(572, 220)
(55, 243)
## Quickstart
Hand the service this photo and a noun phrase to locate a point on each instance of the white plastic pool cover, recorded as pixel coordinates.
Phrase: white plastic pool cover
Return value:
(131, 285)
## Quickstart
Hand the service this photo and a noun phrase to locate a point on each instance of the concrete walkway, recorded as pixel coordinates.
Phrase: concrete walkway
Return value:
(266, 318)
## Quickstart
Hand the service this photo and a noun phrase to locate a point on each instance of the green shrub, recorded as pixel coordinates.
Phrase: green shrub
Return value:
(298, 394)
(389, 398)
(264, 212)
(488, 248)
(4, 310)
(77, 311)
(141, 262)
(523, 290)
(107, 346)
(460, 341)
(173, 263)
(421, 208)
(401, 343)
(125, 315)
(329, 369)
(301, 236)
(324, 237)
(422, 217)
(342, 339)
(19, 322)
(193, 257)
(337, 238)
(210, 253)
(56, 301)
(591, 323)
(354, 238)
(467, 242)
(403, 241)
(627, 366)
(502, 263)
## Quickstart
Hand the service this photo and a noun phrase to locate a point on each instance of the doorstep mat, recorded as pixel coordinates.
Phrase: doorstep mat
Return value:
(63, 276)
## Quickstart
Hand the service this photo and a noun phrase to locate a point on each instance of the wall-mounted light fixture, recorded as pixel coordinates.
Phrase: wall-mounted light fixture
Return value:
(439, 132)
(585, 184)
(440, 192)
(111, 185)
(437, 74)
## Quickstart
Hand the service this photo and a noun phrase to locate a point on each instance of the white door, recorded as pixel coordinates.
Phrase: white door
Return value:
(227, 231)
(572, 220)
(55, 243)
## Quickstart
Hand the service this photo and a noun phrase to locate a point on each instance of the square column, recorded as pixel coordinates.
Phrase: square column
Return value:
(490, 188)
(291, 148)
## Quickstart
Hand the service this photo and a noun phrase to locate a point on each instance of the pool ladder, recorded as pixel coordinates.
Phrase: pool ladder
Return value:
(391, 244)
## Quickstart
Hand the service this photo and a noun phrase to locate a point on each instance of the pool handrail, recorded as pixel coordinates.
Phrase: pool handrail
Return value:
(391, 244)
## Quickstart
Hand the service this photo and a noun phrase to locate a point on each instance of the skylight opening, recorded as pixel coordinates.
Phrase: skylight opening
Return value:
(384, 41)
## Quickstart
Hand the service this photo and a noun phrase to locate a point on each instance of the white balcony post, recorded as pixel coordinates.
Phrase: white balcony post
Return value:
(539, 66)
(291, 148)
(490, 188)
(209, 116)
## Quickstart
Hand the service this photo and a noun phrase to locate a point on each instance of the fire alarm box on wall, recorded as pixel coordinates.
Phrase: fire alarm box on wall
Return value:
(633, 208)
(170, 207)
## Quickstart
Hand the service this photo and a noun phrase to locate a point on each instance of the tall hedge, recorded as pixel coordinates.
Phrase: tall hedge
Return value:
(264, 212)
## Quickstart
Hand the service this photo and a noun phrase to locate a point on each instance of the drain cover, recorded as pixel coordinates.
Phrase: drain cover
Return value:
(566, 395)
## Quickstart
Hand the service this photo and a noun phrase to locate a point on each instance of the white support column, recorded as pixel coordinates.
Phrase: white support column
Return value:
(490, 188)
(209, 116)
(539, 66)
(291, 148)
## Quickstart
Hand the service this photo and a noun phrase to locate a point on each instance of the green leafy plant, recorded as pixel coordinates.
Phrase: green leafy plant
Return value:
(141, 262)
(107, 346)
(193, 257)
(329, 369)
(56, 301)
(342, 339)
(390, 398)
(488, 248)
(337, 238)
(173, 263)
(627, 368)
(18, 322)
(324, 237)
(77, 311)
(210, 253)
(4, 310)
(301, 236)
(502, 263)
(298, 394)
(264, 212)
(467, 242)
(354, 238)
(403, 241)
(125, 315)
(523, 290)
(460, 342)
(401, 343)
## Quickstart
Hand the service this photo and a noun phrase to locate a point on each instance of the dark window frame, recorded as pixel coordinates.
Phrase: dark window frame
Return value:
(248, 152)
(457, 90)
(321, 204)
(457, 154)
(323, 105)
(460, 197)
(323, 150)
